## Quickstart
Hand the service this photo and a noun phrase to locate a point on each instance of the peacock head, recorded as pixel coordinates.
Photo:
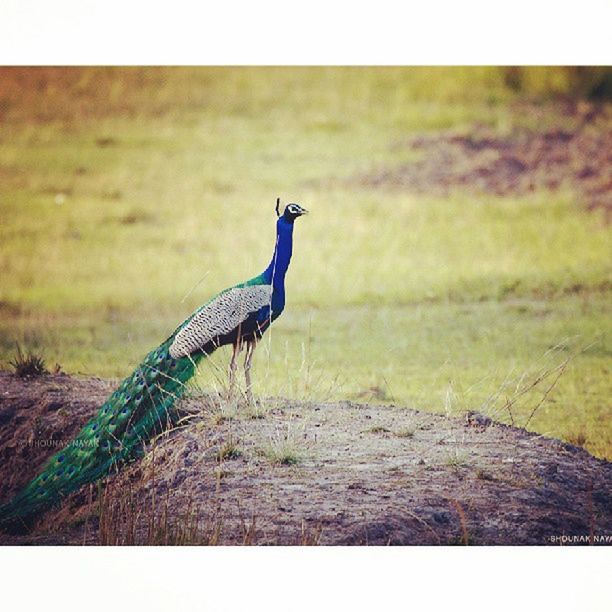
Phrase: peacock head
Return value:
(292, 211)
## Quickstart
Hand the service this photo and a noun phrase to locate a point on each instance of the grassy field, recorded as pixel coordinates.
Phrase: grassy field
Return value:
(128, 197)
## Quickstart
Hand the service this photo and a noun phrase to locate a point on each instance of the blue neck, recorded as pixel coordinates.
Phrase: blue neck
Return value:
(274, 274)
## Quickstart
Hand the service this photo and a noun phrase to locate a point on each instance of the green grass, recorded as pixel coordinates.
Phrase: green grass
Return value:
(128, 197)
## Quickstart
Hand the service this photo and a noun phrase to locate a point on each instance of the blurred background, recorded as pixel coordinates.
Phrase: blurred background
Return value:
(457, 256)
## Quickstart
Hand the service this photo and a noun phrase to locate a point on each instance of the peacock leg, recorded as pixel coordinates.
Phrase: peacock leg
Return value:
(248, 361)
(232, 371)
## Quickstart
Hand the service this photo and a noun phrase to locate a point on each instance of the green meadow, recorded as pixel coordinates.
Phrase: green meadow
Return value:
(129, 196)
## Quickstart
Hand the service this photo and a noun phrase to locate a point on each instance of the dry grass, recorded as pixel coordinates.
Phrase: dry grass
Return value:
(284, 447)
(125, 519)
(465, 537)
(407, 431)
(378, 429)
(28, 364)
(229, 450)
(457, 459)
(224, 414)
(580, 438)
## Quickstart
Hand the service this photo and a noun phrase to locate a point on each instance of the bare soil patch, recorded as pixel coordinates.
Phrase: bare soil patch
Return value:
(293, 472)
(576, 155)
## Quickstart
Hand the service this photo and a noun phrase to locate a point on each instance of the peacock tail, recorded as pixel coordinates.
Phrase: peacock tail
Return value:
(141, 407)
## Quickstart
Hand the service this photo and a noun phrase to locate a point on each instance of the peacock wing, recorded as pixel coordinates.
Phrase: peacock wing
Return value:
(220, 316)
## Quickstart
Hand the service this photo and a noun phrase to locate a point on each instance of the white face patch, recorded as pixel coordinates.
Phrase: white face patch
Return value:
(219, 317)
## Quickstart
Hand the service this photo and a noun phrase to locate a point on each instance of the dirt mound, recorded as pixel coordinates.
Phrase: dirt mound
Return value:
(577, 157)
(290, 472)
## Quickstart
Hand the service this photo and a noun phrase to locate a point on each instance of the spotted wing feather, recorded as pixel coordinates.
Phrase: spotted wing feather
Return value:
(220, 316)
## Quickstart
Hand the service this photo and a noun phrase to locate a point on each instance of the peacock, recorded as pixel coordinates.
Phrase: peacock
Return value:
(144, 404)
